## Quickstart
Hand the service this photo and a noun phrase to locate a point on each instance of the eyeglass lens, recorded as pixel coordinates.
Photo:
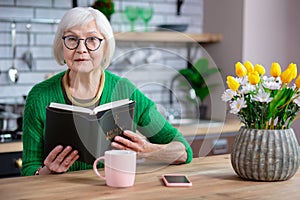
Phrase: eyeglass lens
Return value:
(91, 43)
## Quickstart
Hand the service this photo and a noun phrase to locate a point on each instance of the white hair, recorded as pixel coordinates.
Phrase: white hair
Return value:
(81, 16)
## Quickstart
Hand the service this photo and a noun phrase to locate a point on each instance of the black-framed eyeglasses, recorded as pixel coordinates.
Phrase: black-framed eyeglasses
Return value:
(91, 43)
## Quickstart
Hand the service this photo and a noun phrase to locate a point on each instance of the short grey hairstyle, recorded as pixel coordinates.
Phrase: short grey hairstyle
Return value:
(80, 16)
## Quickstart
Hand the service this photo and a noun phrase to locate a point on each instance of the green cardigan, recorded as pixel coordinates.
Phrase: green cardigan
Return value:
(148, 120)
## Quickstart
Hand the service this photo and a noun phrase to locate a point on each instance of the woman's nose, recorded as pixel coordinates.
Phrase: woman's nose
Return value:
(81, 47)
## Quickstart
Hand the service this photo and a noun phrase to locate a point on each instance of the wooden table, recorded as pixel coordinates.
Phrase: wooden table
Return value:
(212, 177)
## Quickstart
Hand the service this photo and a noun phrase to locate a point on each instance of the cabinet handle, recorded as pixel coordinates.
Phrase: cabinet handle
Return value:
(18, 163)
(220, 146)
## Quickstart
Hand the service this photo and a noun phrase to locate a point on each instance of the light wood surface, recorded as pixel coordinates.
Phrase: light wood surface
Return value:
(213, 179)
(229, 126)
(11, 147)
(167, 36)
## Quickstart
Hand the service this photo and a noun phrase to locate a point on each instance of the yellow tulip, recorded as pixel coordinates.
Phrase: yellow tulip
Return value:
(286, 76)
(275, 69)
(297, 81)
(253, 77)
(249, 66)
(259, 69)
(240, 69)
(232, 83)
(293, 67)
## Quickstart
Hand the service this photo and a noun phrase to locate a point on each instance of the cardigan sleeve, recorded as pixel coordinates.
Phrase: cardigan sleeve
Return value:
(32, 137)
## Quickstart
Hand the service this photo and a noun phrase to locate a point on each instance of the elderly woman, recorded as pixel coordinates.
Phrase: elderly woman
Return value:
(85, 42)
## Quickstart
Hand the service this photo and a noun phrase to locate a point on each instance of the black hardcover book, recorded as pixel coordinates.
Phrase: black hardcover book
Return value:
(88, 131)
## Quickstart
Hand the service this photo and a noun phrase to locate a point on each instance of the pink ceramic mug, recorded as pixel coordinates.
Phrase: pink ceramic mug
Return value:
(120, 168)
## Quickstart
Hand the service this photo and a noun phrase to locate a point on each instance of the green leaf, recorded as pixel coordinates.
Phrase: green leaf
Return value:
(201, 65)
(197, 76)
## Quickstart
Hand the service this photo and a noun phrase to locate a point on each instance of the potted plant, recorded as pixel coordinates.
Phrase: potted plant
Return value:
(197, 77)
(266, 148)
(107, 7)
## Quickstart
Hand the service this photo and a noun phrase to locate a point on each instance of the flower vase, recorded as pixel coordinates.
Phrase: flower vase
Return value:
(265, 155)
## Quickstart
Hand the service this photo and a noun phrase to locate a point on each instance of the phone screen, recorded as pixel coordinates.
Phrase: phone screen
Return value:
(177, 179)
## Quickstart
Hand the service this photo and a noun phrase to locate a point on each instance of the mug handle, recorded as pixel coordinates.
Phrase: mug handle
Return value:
(95, 167)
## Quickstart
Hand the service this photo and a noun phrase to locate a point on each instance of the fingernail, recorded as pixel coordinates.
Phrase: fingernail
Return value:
(69, 147)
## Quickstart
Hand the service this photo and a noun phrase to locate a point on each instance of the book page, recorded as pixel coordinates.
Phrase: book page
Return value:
(111, 105)
(70, 108)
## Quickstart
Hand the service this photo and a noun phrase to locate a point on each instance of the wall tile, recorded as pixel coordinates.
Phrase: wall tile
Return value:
(14, 90)
(34, 3)
(63, 4)
(48, 64)
(50, 13)
(6, 2)
(16, 12)
(45, 39)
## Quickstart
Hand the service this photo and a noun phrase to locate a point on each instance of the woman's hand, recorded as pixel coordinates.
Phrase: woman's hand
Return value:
(135, 142)
(59, 160)
(173, 152)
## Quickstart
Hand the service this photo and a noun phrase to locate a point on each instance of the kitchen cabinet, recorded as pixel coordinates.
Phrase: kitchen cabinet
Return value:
(215, 144)
(10, 159)
(211, 140)
(11, 164)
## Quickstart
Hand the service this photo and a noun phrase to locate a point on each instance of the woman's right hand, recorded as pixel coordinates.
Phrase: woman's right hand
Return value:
(59, 160)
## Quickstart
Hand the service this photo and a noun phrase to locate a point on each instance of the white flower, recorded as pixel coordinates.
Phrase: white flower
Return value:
(262, 96)
(297, 100)
(247, 88)
(242, 80)
(228, 95)
(272, 83)
(237, 105)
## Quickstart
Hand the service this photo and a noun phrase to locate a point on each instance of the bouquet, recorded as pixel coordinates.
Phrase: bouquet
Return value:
(264, 102)
(107, 7)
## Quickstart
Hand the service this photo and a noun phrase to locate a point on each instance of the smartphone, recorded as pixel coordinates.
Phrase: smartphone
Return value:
(176, 180)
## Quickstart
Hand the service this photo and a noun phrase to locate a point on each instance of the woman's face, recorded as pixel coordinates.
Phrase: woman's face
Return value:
(81, 59)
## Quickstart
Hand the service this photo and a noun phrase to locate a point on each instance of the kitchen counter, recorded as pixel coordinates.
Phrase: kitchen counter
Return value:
(213, 178)
(11, 147)
(211, 138)
(229, 126)
(189, 131)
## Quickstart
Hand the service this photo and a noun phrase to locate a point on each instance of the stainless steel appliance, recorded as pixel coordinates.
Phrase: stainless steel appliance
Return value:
(10, 132)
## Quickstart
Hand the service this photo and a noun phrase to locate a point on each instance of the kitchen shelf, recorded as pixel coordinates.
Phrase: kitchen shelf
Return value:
(168, 36)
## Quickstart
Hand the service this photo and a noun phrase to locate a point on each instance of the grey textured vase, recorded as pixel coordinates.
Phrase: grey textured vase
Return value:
(265, 155)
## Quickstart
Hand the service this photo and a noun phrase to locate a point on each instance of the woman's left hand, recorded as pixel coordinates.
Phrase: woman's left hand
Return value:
(135, 142)
(173, 152)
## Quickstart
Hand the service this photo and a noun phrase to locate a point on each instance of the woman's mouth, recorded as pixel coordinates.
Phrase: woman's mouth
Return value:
(80, 60)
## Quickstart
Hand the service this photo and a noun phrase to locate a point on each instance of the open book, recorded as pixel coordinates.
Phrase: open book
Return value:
(97, 109)
(88, 131)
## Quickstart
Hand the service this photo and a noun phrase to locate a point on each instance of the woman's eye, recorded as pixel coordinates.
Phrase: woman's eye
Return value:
(72, 39)
(91, 39)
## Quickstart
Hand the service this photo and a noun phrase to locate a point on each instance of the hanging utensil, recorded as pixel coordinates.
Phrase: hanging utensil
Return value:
(13, 72)
(27, 56)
